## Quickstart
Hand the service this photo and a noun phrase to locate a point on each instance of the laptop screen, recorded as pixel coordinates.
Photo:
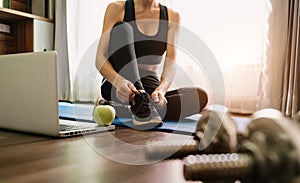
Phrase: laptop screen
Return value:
(28, 94)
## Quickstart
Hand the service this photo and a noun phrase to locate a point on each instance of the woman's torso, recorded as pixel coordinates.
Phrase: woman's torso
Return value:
(150, 34)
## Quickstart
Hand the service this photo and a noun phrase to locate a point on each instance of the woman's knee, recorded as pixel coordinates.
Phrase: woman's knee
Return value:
(203, 97)
(122, 29)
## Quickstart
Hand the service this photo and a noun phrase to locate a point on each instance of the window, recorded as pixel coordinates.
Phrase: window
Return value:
(234, 31)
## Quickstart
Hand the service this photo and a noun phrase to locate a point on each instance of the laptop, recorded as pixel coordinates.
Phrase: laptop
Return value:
(29, 97)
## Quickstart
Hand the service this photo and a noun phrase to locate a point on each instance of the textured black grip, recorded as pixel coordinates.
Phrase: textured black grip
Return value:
(171, 149)
(217, 167)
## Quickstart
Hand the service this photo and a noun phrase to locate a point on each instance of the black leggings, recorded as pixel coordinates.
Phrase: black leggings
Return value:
(182, 102)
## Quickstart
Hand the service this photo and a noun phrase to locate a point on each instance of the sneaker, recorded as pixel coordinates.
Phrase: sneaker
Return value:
(143, 110)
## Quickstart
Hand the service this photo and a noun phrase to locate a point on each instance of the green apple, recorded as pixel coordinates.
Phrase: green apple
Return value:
(104, 115)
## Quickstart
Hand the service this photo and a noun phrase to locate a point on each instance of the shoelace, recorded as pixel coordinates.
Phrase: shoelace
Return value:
(123, 108)
(145, 102)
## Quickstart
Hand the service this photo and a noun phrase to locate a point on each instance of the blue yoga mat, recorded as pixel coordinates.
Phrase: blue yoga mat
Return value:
(83, 112)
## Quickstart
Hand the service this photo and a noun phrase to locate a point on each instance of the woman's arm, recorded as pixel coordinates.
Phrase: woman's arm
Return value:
(169, 69)
(114, 13)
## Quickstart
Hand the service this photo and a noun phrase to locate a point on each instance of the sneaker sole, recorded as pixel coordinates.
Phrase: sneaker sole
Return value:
(156, 121)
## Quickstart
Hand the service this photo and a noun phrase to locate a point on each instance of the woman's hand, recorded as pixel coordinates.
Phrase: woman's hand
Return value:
(124, 90)
(158, 96)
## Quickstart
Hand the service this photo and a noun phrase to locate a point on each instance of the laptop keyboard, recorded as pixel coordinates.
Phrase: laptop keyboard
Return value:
(70, 127)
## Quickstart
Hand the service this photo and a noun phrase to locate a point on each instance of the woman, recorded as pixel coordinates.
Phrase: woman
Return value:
(136, 34)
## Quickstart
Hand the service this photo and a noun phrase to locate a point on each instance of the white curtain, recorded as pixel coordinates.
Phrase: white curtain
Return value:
(85, 19)
(279, 86)
(233, 30)
(270, 90)
(78, 29)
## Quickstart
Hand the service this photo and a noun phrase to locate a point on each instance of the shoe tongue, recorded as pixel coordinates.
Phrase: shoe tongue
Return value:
(145, 96)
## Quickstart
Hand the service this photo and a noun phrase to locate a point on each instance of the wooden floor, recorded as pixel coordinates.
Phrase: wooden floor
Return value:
(102, 157)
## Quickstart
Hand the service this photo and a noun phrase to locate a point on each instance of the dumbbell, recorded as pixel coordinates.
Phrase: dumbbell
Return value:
(216, 132)
(269, 152)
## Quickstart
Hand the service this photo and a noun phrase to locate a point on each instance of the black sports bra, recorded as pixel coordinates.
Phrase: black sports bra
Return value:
(151, 46)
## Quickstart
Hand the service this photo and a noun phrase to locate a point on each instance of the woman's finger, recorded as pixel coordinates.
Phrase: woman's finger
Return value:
(123, 96)
(132, 87)
(162, 100)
